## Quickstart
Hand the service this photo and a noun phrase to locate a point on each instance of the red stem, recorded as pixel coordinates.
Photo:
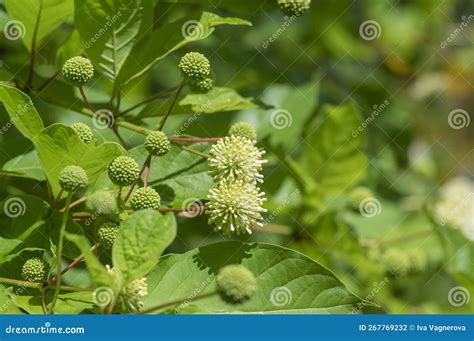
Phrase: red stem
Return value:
(147, 171)
(84, 98)
(136, 181)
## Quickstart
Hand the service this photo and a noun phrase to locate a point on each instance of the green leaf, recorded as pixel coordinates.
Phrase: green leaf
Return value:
(110, 28)
(52, 14)
(334, 158)
(287, 281)
(73, 46)
(284, 125)
(99, 274)
(168, 38)
(21, 110)
(68, 303)
(140, 241)
(8, 306)
(179, 175)
(25, 165)
(217, 99)
(59, 146)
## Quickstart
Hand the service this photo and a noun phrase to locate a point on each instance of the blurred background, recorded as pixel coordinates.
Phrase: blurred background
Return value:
(364, 108)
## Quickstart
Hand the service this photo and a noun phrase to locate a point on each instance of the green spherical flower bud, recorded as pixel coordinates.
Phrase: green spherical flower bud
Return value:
(294, 7)
(417, 260)
(201, 86)
(102, 202)
(236, 158)
(123, 171)
(107, 233)
(35, 270)
(235, 207)
(157, 143)
(83, 131)
(78, 70)
(194, 66)
(236, 284)
(145, 198)
(243, 129)
(396, 262)
(357, 195)
(73, 178)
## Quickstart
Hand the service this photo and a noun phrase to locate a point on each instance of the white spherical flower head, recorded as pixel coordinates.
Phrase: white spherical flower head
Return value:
(236, 158)
(235, 207)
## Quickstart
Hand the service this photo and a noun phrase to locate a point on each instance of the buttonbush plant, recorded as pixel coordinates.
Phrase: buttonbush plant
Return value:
(170, 159)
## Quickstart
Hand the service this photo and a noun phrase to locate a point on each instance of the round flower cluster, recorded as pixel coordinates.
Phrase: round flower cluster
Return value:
(83, 132)
(78, 70)
(123, 171)
(72, 178)
(201, 86)
(107, 233)
(357, 195)
(130, 299)
(294, 7)
(145, 198)
(235, 206)
(237, 158)
(194, 66)
(236, 284)
(35, 270)
(102, 202)
(243, 129)
(157, 143)
(455, 206)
